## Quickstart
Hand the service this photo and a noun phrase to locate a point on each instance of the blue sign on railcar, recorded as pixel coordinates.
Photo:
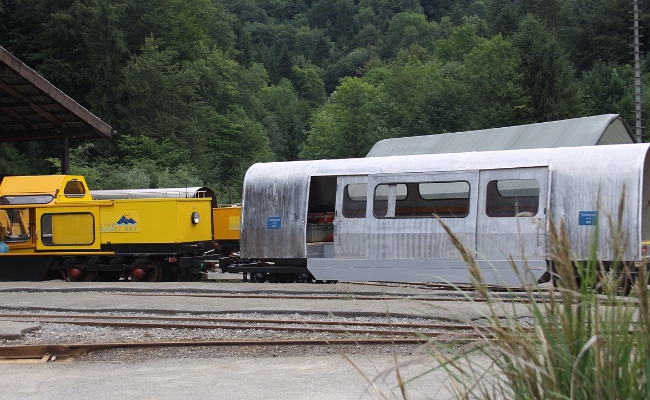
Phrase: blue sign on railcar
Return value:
(588, 218)
(274, 223)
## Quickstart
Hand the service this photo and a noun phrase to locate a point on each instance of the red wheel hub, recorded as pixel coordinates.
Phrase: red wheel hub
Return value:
(75, 273)
(139, 273)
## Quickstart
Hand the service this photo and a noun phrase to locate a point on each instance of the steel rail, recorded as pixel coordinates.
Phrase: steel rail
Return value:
(435, 286)
(32, 317)
(50, 352)
(149, 325)
(458, 297)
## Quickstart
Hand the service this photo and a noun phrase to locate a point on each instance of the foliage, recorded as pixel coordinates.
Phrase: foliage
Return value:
(579, 344)
(207, 87)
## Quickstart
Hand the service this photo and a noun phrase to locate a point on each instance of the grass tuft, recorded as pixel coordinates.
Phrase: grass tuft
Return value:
(585, 340)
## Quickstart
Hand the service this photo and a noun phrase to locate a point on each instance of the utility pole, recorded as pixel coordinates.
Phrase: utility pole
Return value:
(637, 71)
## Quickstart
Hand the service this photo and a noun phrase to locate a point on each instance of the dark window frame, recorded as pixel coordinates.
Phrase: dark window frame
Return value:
(42, 236)
(427, 211)
(510, 206)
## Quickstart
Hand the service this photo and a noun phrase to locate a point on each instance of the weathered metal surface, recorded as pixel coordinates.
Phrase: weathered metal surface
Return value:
(522, 237)
(349, 233)
(494, 271)
(421, 238)
(584, 181)
(275, 198)
(587, 131)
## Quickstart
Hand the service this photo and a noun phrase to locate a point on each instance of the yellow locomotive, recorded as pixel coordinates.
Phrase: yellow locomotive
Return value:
(53, 225)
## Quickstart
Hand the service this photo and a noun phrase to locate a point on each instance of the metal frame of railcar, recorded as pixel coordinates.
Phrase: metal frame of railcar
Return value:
(581, 185)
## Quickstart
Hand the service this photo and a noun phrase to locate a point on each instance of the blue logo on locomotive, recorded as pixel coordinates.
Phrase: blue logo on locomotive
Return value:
(126, 220)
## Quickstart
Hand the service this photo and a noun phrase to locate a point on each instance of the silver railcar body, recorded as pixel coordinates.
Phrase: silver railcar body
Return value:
(386, 211)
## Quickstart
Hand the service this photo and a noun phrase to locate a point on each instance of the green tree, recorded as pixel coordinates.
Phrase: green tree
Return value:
(607, 90)
(501, 17)
(495, 95)
(107, 53)
(407, 29)
(192, 28)
(461, 42)
(309, 85)
(547, 74)
(599, 31)
(348, 125)
(287, 121)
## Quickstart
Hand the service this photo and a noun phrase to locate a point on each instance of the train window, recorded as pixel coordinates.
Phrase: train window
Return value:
(14, 225)
(67, 229)
(512, 198)
(441, 199)
(74, 188)
(382, 194)
(354, 200)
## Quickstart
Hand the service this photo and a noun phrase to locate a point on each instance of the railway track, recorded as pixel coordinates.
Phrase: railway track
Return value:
(209, 322)
(344, 332)
(63, 352)
(350, 296)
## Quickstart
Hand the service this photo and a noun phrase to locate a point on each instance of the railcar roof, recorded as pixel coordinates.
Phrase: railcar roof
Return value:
(568, 156)
(588, 131)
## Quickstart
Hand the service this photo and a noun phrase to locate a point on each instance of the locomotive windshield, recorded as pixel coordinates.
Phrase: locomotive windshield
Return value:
(30, 199)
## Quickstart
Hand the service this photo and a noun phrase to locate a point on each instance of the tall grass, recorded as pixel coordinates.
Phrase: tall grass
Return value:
(585, 340)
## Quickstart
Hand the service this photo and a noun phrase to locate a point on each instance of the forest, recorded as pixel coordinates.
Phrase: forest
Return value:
(199, 90)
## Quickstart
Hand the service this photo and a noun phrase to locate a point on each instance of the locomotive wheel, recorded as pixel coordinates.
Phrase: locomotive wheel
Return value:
(84, 277)
(153, 274)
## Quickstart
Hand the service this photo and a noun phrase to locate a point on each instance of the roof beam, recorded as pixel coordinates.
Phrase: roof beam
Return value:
(28, 135)
(33, 106)
(19, 118)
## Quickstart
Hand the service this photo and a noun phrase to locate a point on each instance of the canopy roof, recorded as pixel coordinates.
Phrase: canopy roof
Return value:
(32, 109)
(587, 131)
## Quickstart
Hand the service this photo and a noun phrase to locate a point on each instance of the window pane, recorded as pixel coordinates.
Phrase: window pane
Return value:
(67, 229)
(380, 201)
(74, 189)
(441, 199)
(424, 199)
(512, 197)
(14, 225)
(444, 190)
(355, 200)
(35, 199)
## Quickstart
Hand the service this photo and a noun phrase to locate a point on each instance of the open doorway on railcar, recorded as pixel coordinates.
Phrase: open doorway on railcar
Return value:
(320, 216)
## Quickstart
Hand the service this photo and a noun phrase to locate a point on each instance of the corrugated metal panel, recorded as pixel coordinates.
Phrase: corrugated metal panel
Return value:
(275, 199)
(587, 131)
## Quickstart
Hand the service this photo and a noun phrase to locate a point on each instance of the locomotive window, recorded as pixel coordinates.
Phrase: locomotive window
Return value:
(67, 229)
(354, 200)
(14, 225)
(512, 198)
(35, 199)
(74, 188)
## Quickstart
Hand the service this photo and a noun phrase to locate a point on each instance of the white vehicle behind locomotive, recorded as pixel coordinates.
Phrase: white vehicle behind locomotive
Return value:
(379, 218)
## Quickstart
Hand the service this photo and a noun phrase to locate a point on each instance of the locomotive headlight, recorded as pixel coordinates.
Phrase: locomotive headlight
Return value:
(195, 217)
